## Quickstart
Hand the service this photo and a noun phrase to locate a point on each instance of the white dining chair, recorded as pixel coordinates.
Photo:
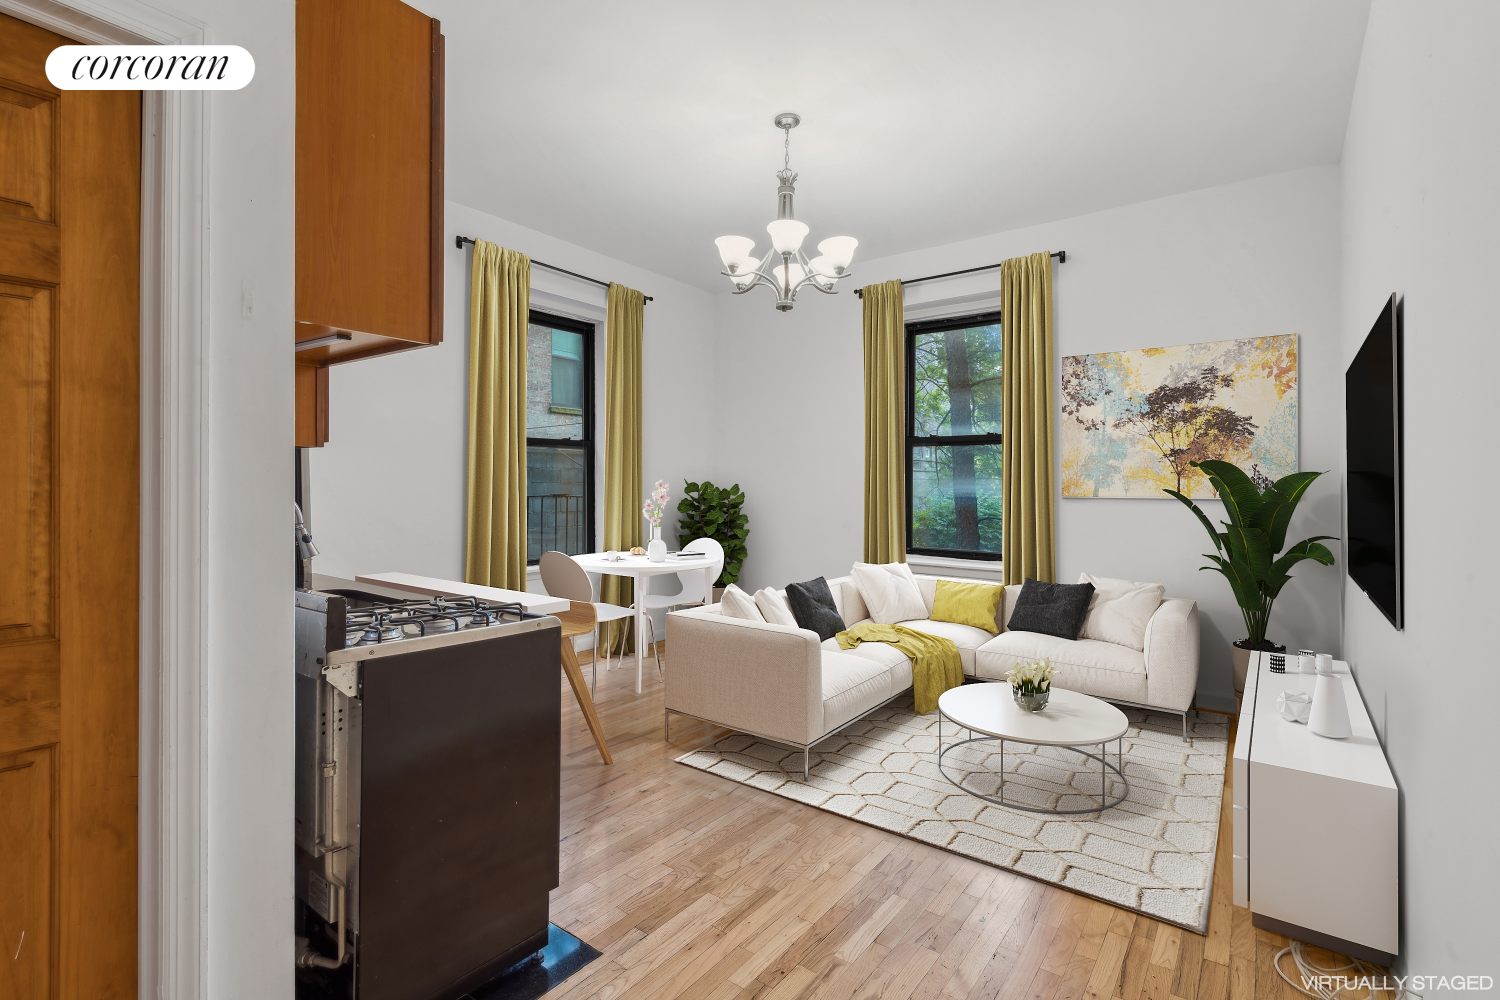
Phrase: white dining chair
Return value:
(695, 589)
(562, 577)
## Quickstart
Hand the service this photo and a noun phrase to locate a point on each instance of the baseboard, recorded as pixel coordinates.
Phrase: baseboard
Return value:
(1322, 940)
(1218, 705)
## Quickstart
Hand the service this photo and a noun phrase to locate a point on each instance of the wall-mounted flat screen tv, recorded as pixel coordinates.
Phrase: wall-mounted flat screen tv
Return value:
(1372, 432)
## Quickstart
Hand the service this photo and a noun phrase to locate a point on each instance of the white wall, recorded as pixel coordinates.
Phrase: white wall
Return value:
(388, 489)
(1253, 259)
(247, 681)
(1421, 210)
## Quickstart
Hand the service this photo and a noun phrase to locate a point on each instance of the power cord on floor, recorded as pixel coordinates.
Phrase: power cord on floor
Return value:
(1355, 970)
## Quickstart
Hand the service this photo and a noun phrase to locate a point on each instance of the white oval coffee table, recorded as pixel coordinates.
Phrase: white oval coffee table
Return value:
(1071, 720)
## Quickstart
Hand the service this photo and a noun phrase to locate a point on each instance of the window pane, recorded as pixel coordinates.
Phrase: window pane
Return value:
(567, 386)
(957, 375)
(556, 510)
(567, 344)
(955, 498)
(567, 371)
(554, 383)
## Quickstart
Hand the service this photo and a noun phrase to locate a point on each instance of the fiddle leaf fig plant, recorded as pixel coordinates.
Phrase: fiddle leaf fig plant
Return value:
(710, 511)
(1247, 550)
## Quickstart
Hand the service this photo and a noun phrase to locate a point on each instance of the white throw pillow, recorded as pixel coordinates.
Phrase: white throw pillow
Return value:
(774, 608)
(890, 592)
(1120, 610)
(737, 604)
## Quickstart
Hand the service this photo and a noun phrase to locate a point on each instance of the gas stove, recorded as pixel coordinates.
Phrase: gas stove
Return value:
(372, 623)
(427, 753)
(349, 627)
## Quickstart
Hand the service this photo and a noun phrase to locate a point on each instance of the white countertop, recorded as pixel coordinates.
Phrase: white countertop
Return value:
(324, 582)
(427, 586)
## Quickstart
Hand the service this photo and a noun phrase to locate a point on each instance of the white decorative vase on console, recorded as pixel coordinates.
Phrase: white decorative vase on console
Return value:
(1330, 712)
(656, 549)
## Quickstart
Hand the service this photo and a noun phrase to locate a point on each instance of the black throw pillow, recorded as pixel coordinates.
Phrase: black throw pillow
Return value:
(812, 605)
(1051, 608)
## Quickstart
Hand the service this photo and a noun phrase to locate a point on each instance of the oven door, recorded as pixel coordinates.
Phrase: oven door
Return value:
(458, 796)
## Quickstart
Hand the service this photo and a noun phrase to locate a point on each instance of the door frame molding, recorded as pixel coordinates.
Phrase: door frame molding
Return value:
(174, 490)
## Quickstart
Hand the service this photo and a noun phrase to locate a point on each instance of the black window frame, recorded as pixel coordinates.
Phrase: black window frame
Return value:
(912, 330)
(586, 445)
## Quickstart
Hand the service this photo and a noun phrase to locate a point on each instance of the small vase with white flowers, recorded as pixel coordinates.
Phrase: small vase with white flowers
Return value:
(656, 549)
(1031, 684)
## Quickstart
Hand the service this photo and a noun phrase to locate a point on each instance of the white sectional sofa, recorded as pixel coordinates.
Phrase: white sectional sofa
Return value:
(781, 683)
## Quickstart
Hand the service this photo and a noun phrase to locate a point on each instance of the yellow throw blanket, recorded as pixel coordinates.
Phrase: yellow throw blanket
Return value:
(935, 666)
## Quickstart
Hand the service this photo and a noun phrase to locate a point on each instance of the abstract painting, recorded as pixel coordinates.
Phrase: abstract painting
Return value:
(1134, 421)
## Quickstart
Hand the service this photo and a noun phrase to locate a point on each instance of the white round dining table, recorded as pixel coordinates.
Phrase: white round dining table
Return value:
(640, 569)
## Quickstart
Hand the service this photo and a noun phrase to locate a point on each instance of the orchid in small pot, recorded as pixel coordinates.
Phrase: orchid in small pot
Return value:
(1031, 684)
(656, 551)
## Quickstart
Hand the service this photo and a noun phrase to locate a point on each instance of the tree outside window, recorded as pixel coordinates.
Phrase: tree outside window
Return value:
(953, 437)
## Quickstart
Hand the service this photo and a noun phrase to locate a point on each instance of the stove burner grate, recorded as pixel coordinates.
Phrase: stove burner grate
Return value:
(396, 620)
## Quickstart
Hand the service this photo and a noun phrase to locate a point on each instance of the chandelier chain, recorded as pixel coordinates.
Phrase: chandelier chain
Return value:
(786, 159)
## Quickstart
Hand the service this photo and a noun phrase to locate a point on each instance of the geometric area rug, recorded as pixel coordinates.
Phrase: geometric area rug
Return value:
(1153, 853)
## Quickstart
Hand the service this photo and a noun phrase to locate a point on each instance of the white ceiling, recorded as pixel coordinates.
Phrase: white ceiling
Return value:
(643, 130)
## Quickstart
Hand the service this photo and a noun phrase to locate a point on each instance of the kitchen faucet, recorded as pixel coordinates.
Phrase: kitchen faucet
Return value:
(306, 550)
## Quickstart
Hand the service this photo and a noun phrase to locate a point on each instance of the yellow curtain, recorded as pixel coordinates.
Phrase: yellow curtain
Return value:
(622, 445)
(885, 424)
(499, 304)
(1029, 548)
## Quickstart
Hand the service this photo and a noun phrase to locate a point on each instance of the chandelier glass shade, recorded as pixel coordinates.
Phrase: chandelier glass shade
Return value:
(785, 269)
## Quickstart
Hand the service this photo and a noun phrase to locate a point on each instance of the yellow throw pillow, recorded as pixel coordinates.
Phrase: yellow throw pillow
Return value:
(974, 604)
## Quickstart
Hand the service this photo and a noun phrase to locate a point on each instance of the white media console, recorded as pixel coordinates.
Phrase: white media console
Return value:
(1315, 822)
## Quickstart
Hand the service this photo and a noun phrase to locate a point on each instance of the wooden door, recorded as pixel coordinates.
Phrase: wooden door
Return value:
(69, 528)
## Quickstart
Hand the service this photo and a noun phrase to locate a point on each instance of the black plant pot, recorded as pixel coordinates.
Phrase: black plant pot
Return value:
(1242, 650)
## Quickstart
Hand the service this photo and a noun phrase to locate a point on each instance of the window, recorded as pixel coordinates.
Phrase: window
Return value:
(559, 436)
(953, 437)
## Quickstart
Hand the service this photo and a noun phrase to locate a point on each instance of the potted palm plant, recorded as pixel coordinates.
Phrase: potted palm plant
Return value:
(1246, 552)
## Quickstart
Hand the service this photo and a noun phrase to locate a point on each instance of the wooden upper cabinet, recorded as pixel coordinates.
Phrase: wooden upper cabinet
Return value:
(369, 179)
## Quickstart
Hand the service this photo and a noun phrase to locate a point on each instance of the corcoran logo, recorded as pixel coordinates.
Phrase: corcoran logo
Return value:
(150, 67)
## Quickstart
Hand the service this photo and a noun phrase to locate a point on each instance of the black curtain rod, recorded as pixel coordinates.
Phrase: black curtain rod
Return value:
(459, 242)
(1061, 255)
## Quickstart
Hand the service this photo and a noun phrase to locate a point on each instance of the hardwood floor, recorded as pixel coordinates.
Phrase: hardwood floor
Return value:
(698, 888)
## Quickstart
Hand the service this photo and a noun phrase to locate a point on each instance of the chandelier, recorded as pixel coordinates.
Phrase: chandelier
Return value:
(787, 234)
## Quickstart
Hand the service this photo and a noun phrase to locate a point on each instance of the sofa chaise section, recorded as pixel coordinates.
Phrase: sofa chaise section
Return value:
(773, 681)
